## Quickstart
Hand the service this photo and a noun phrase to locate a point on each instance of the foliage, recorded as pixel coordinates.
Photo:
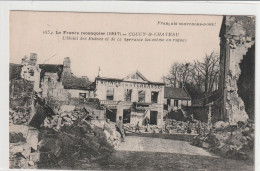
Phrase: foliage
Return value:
(199, 77)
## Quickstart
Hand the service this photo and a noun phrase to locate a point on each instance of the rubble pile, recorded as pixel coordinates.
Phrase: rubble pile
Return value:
(171, 126)
(49, 148)
(113, 137)
(64, 118)
(195, 127)
(56, 136)
(148, 129)
(62, 139)
(23, 146)
(152, 128)
(231, 141)
(69, 145)
(68, 118)
(19, 116)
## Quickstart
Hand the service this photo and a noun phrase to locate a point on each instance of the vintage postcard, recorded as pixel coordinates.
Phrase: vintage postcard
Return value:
(117, 91)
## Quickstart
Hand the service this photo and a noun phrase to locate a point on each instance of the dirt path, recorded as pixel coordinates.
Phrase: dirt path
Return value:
(147, 144)
(146, 153)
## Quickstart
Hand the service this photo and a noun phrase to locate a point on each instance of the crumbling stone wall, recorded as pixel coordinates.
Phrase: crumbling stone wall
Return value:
(237, 35)
(51, 87)
(22, 138)
(57, 136)
(30, 70)
(246, 82)
(21, 101)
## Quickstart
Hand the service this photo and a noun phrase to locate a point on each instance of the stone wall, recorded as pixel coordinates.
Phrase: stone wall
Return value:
(52, 87)
(30, 70)
(21, 101)
(22, 137)
(246, 82)
(237, 35)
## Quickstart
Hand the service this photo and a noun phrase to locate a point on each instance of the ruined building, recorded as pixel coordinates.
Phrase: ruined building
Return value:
(52, 81)
(237, 69)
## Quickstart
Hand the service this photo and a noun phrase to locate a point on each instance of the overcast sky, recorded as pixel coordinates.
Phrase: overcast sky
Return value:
(116, 59)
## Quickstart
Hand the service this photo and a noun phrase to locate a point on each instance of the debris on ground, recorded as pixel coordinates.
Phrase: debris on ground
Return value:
(171, 126)
(59, 138)
(231, 141)
(48, 148)
(19, 116)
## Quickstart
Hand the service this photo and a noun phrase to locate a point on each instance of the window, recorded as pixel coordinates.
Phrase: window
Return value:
(154, 97)
(110, 94)
(126, 115)
(176, 103)
(31, 72)
(165, 107)
(169, 102)
(82, 95)
(49, 81)
(128, 95)
(141, 96)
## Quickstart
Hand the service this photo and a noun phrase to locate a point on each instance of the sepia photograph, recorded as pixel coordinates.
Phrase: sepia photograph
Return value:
(128, 91)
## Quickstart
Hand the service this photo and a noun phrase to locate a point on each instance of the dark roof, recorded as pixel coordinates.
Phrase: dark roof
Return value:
(69, 81)
(52, 69)
(176, 93)
(15, 71)
(73, 82)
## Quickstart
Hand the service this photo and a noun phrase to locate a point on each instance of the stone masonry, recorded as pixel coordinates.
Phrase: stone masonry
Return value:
(237, 35)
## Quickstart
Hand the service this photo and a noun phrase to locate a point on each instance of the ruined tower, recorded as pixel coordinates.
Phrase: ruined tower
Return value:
(237, 36)
(33, 59)
(66, 62)
(66, 66)
(30, 70)
(30, 59)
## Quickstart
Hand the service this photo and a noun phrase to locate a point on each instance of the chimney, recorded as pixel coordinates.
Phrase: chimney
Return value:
(33, 59)
(66, 62)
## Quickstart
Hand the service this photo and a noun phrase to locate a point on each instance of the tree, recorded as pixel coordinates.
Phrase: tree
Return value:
(172, 77)
(207, 72)
(199, 77)
(184, 73)
(179, 75)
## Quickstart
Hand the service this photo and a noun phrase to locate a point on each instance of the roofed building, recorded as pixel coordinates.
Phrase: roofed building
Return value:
(176, 98)
(133, 97)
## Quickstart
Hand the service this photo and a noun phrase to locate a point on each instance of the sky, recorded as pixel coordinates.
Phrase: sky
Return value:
(116, 59)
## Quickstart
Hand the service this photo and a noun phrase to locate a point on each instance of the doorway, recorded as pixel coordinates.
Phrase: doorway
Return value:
(111, 114)
(153, 117)
(126, 115)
